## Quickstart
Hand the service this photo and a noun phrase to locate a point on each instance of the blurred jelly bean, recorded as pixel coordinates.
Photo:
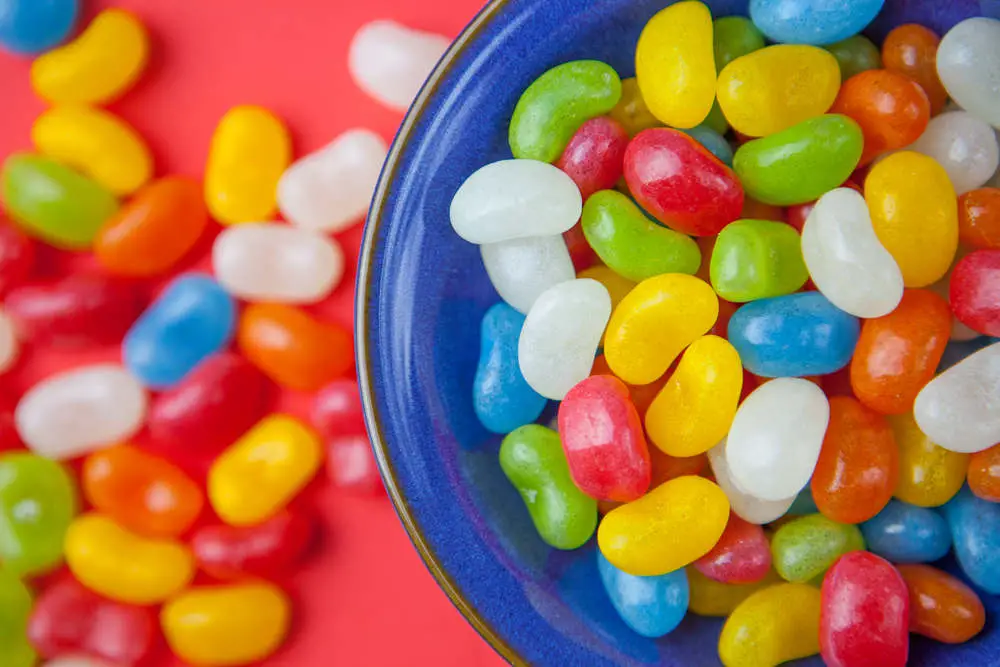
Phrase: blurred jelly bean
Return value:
(15, 608)
(9, 346)
(514, 199)
(713, 598)
(595, 156)
(532, 458)
(974, 283)
(123, 566)
(979, 218)
(250, 150)
(865, 618)
(631, 244)
(806, 547)
(733, 37)
(631, 111)
(292, 348)
(681, 183)
(53, 203)
(904, 533)
(257, 476)
(672, 526)
(714, 142)
(337, 410)
(351, 465)
(757, 259)
(973, 523)
(79, 410)
(964, 145)
(391, 61)
(32, 26)
(331, 189)
(915, 215)
(742, 555)
(17, 257)
(77, 661)
(929, 475)
(969, 66)
(747, 507)
(984, 474)
(772, 626)
(855, 55)
(270, 549)
(675, 64)
(911, 49)
(812, 21)
(522, 269)
(561, 334)
(941, 606)
(652, 606)
(772, 89)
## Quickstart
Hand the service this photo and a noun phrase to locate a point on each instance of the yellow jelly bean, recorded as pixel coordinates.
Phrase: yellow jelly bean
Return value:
(929, 475)
(250, 151)
(226, 625)
(262, 471)
(675, 64)
(655, 322)
(708, 597)
(772, 626)
(123, 566)
(672, 526)
(98, 66)
(632, 112)
(915, 214)
(96, 143)
(695, 409)
(772, 89)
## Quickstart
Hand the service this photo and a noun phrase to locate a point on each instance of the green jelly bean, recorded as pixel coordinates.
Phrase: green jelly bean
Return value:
(37, 503)
(15, 608)
(532, 458)
(735, 36)
(757, 259)
(53, 202)
(632, 245)
(717, 120)
(554, 107)
(802, 163)
(855, 55)
(805, 548)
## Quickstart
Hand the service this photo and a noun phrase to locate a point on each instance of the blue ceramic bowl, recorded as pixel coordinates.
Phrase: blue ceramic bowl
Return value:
(422, 292)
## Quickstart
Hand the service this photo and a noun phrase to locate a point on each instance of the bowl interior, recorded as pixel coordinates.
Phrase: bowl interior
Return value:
(423, 292)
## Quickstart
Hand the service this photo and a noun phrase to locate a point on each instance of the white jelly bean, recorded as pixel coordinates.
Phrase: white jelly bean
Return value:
(968, 63)
(776, 436)
(9, 345)
(560, 336)
(390, 61)
(748, 508)
(514, 199)
(522, 269)
(80, 410)
(964, 145)
(960, 409)
(847, 262)
(275, 262)
(331, 189)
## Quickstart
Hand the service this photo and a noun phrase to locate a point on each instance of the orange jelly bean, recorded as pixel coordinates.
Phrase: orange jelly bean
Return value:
(942, 607)
(292, 348)
(642, 395)
(912, 50)
(984, 474)
(979, 218)
(898, 354)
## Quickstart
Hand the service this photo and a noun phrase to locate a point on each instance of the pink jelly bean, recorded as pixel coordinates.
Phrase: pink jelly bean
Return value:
(336, 410)
(351, 465)
(595, 156)
(742, 555)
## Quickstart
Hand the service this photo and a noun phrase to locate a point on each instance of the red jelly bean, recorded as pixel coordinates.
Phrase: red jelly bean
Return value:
(979, 218)
(17, 257)
(742, 555)
(865, 613)
(603, 438)
(595, 156)
(580, 252)
(975, 291)
(681, 183)
(336, 410)
(942, 607)
(351, 465)
(267, 550)
(984, 474)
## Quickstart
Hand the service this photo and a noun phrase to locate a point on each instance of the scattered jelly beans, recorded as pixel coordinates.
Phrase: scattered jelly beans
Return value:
(742, 555)
(904, 533)
(772, 626)
(521, 270)
(269, 550)
(806, 547)
(911, 49)
(968, 64)
(929, 475)
(855, 55)
(812, 21)
(941, 606)
(33, 26)
(757, 259)
(652, 606)
(15, 608)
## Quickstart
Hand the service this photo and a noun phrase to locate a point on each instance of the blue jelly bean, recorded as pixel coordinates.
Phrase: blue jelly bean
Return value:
(652, 606)
(191, 320)
(793, 336)
(33, 26)
(804, 503)
(905, 533)
(501, 396)
(812, 21)
(975, 532)
(714, 142)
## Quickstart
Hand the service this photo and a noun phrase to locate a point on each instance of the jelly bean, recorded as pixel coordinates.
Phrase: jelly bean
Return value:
(250, 151)
(714, 142)
(261, 472)
(800, 163)
(904, 533)
(32, 26)
(675, 64)
(154, 230)
(713, 598)
(979, 218)
(522, 269)
(123, 566)
(915, 215)
(227, 625)
(617, 286)
(941, 606)
(742, 555)
(292, 348)
(984, 474)
(79, 410)
(580, 252)
(655, 322)
(390, 61)
(747, 507)
(865, 618)
(757, 259)
(964, 145)
(77, 661)
(855, 55)
(54, 203)
(547, 202)
(15, 607)
(772, 89)
(680, 183)
(351, 465)
(973, 524)
(772, 626)
(812, 21)
(337, 410)
(806, 547)
(969, 66)
(9, 346)
(973, 288)
(331, 189)
(929, 475)
(561, 334)
(595, 156)
(17, 257)
(267, 550)
(911, 50)
(631, 111)
(734, 37)
(532, 458)
(651, 606)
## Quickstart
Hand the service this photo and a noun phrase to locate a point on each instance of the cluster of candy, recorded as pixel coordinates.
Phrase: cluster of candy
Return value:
(725, 292)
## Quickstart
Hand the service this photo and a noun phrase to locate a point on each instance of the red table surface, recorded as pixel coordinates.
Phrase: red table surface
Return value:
(365, 597)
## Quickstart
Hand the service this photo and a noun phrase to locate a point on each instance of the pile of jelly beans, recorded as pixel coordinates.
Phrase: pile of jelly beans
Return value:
(768, 239)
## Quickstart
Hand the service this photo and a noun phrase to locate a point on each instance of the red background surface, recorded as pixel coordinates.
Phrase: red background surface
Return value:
(364, 598)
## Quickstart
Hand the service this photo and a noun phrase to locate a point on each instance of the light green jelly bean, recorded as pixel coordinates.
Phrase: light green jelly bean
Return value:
(15, 608)
(37, 503)
(632, 245)
(802, 163)
(757, 259)
(53, 202)
(735, 36)
(532, 458)
(855, 55)
(805, 548)
(554, 107)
